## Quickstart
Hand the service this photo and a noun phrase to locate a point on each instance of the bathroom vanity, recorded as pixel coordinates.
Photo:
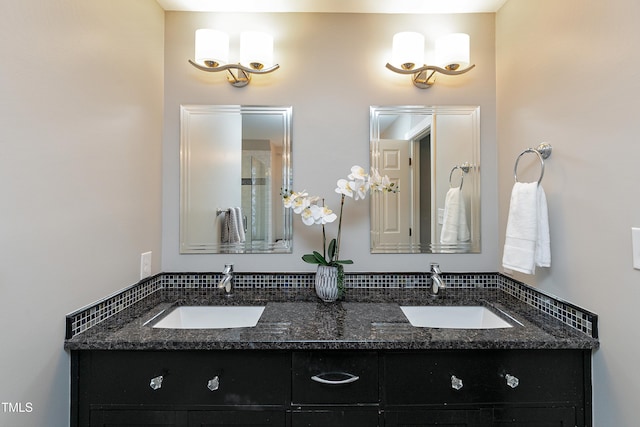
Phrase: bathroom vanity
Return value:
(351, 363)
(361, 388)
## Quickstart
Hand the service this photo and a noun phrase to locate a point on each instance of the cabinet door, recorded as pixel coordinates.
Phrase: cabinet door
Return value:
(237, 418)
(469, 377)
(184, 378)
(534, 417)
(335, 418)
(126, 418)
(437, 417)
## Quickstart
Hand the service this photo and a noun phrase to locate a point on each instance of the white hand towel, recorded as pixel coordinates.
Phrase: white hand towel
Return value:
(230, 233)
(527, 242)
(543, 244)
(454, 224)
(239, 225)
(224, 234)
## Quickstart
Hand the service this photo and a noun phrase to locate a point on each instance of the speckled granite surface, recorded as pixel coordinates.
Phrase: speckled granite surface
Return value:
(296, 319)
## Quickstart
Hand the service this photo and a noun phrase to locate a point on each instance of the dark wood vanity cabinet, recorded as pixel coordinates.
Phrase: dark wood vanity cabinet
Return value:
(524, 388)
(471, 388)
(180, 388)
(338, 388)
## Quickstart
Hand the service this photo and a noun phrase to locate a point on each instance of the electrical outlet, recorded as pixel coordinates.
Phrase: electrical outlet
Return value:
(145, 265)
(635, 247)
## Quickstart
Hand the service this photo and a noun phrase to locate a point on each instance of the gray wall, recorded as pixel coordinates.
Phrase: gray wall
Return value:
(567, 73)
(80, 143)
(332, 70)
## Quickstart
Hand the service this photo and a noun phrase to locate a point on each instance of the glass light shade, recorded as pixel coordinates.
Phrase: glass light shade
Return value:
(452, 51)
(256, 49)
(212, 47)
(408, 50)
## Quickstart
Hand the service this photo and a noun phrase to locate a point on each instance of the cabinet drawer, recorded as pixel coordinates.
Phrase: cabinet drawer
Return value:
(485, 376)
(184, 377)
(335, 377)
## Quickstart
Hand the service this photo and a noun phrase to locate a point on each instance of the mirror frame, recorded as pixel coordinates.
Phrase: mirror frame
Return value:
(186, 247)
(471, 179)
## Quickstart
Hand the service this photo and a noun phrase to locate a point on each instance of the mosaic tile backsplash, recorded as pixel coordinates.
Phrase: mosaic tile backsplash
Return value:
(89, 316)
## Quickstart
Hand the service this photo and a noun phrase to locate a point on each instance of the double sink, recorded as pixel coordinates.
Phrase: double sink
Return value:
(221, 317)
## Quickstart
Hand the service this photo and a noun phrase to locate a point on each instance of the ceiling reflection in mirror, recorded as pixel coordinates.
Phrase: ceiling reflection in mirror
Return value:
(234, 161)
(432, 153)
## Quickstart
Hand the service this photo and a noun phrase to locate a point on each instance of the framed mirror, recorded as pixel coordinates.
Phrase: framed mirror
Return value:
(433, 154)
(234, 161)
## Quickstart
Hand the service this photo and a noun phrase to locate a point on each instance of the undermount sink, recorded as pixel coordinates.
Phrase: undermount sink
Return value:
(211, 317)
(454, 317)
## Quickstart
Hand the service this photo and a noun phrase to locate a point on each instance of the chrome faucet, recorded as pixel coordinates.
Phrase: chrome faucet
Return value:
(227, 279)
(436, 280)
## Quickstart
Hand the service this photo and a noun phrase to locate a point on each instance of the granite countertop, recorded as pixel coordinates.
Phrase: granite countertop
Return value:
(302, 322)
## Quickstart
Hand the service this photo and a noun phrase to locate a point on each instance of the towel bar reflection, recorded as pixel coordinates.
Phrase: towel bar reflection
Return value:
(543, 151)
(464, 169)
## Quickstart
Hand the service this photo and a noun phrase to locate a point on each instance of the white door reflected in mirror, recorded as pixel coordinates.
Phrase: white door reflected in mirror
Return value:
(429, 152)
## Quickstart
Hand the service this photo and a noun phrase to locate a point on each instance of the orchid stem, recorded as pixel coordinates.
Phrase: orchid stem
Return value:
(324, 243)
(339, 229)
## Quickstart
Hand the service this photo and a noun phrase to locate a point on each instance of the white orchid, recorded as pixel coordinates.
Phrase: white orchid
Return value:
(381, 183)
(345, 187)
(357, 173)
(322, 214)
(288, 198)
(307, 216)
(358, 184)
(300, 203)
(361, 189)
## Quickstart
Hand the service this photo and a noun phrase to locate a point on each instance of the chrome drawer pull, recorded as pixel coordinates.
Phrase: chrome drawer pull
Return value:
(512, 381)
(349, 378)
(456, 383)
(214, 383)
(156, 382)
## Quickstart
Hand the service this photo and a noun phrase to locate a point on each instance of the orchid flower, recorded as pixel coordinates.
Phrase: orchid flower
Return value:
(345, 188)
(357, 185)
(357, 173)
(289, 197)
(300, 204)
(381, 183)
(307, 215)
(322, 214)
(361, 189)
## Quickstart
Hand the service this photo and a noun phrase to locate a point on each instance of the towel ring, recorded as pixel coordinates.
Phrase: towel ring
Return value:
(543, 151)
(461, 176)
(464, 168)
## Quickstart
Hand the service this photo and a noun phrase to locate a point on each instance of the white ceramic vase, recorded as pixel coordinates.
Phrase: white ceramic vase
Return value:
(327, 283)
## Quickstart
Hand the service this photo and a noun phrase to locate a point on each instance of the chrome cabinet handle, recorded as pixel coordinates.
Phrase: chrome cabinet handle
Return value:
(214, 383)
(512, 381)
(456, 383)
(349, 378)
(156, 382)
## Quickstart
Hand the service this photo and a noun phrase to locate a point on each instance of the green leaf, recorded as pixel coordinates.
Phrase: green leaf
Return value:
(344, 261)
(310, 258)
(332, 248)
(315, 258)
(319, 257)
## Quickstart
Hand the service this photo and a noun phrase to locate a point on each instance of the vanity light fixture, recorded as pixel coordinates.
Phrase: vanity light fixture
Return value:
(452, 57)
(256, 55)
